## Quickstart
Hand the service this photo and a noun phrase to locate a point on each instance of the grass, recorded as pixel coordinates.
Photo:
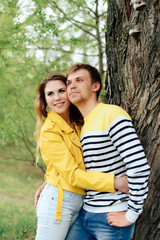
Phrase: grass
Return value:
(18, 183)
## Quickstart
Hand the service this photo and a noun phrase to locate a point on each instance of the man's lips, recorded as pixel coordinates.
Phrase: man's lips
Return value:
(73, 93)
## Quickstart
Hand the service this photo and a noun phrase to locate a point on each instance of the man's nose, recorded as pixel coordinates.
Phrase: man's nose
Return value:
(73, 85)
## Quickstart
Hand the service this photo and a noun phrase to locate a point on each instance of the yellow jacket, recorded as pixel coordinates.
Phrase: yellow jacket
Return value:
(62, 153)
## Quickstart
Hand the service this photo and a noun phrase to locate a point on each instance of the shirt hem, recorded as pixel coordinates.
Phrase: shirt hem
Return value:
(119, 207)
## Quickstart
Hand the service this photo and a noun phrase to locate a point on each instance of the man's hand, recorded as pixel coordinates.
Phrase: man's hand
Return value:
(118, 219)
(38, 193)
(121, 184)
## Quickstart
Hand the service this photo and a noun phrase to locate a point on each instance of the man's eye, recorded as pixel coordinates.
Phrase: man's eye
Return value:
(68, 83)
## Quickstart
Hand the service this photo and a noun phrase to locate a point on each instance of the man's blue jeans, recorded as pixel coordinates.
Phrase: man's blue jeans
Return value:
(94, 226)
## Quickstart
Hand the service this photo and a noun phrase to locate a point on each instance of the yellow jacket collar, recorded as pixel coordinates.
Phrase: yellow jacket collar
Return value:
(56, 118)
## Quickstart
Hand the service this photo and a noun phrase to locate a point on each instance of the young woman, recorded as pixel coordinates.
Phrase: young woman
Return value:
(66, 178)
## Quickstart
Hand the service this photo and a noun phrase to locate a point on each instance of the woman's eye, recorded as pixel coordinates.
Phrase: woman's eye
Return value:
(62, 90)
(50, 93)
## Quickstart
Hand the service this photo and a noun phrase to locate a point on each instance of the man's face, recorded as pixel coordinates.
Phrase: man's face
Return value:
(79, 86)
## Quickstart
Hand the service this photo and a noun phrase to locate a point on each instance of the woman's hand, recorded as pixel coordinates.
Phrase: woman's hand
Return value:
(118, 219)
(121, 184)
(38, 193)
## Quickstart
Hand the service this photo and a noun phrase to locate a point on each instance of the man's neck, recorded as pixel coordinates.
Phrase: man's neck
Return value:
(86, 107)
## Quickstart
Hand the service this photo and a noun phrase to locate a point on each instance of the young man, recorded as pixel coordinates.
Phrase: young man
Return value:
(110, 144)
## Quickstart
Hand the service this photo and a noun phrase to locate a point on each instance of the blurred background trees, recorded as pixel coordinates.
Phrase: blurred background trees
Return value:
(37, 38)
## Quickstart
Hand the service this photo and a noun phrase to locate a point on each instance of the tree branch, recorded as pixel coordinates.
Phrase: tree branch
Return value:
(67, 51)
(75, 22)
(102, 14)
(83, 54)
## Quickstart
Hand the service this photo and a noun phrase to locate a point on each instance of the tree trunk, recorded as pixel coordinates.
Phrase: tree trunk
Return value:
(133, 82)
(98, 37)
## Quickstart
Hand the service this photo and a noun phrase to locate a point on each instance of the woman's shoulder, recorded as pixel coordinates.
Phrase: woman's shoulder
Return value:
(48, 126)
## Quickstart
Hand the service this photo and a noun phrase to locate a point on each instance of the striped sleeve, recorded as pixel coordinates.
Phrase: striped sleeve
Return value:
(125, 139)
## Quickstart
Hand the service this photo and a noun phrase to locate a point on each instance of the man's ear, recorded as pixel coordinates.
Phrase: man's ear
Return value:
(96, 86)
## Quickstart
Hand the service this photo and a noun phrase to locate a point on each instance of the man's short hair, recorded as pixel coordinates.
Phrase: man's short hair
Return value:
(94, 74)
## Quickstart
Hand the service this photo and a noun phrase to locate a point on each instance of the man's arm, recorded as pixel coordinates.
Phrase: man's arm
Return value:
(126, 141)
(118, 219)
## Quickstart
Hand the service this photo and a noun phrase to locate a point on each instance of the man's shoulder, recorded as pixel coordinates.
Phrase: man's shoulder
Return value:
(112, 109)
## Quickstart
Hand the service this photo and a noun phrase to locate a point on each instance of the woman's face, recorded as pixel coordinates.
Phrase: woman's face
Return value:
(56, 97)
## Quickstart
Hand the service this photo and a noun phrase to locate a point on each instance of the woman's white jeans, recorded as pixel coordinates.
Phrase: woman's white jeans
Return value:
(46, 212)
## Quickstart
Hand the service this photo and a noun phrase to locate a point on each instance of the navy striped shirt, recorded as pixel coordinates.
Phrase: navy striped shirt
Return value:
(111, 145)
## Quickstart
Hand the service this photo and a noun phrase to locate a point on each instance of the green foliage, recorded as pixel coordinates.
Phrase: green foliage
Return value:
(37, 38)
(17, 221)
(19, 182)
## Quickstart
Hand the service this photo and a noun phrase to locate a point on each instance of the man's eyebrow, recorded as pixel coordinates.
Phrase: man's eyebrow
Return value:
(74, 78)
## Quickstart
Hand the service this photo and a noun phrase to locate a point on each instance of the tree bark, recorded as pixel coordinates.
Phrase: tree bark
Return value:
(98, 36)
(133, 82)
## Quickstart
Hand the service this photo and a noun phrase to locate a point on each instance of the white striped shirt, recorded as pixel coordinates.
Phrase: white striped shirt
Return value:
(111, 145)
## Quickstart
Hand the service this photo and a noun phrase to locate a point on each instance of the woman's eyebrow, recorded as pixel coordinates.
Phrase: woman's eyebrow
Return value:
(49, 91)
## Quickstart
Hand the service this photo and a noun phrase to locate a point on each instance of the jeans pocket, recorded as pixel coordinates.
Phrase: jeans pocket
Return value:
(67, 195)
(51, 192)
(106, 218)
(47, 200)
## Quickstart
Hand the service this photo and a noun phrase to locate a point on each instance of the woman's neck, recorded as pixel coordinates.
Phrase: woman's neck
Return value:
(66, 117)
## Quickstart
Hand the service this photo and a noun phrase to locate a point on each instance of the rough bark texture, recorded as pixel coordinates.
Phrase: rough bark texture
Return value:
(133, 82)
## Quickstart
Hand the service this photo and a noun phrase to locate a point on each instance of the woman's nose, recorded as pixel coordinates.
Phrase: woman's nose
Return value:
(57, 96)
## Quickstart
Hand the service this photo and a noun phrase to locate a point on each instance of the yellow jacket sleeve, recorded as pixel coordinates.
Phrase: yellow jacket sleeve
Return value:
(55, 150)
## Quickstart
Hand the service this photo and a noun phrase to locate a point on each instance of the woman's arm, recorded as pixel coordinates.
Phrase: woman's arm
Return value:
(120, 184)
(55, 149)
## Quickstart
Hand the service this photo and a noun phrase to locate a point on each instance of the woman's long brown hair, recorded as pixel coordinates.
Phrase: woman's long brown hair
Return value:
(41, 107)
